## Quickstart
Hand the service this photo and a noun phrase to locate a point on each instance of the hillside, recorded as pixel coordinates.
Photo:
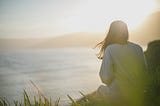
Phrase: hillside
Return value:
(19, 43)
(80, 39)
(148, 31)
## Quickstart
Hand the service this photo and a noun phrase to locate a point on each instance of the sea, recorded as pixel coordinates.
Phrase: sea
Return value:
(55, 73)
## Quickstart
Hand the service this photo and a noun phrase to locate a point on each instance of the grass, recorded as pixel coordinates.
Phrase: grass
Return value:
(43, 101)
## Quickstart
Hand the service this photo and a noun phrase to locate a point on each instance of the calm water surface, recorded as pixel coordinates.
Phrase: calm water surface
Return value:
(57, 72)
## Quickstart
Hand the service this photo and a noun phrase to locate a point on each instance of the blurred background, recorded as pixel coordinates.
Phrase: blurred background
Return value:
(50, 42)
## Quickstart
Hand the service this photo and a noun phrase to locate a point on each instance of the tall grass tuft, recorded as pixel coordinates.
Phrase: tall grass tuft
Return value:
(74, 103)
(4, 102)
(56, 102)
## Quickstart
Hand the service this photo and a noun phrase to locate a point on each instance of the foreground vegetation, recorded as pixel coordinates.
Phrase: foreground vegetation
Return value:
(43, 101)
(88, 100)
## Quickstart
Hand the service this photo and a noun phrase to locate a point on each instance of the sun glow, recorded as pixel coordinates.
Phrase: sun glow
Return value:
(135, 11)
(59, 17)
(97, 14)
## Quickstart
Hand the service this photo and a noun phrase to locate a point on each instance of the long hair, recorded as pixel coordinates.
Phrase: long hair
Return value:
(118, 33)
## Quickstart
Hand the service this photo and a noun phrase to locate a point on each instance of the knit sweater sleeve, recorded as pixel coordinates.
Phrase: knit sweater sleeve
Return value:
(106, 70)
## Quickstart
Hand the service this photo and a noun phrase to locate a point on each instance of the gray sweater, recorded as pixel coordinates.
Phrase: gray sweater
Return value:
(123, 67)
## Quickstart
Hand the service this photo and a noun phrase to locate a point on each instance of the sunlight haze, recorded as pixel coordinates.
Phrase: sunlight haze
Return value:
(47, 18)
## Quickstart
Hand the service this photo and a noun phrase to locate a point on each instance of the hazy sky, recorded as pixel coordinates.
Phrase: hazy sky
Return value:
(42, 18)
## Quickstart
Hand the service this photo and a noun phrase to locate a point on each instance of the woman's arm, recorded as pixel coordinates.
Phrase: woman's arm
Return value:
(106, 70)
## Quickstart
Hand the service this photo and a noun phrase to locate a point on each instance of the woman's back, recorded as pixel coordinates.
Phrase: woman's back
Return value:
(128, 69)
(128, 60)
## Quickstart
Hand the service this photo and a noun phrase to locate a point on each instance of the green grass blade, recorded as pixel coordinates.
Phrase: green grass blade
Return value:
(50, 102)
(84, 96)
(15, 103)
(57, 102)
(27, 98)
(74, 103)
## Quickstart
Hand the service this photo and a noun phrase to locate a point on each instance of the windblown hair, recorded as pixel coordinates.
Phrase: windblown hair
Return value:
(118, 33)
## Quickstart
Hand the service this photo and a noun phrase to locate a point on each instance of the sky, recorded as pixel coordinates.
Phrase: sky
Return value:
(47, 18)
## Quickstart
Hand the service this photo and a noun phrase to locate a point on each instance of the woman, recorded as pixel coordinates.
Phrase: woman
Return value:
(123, 66)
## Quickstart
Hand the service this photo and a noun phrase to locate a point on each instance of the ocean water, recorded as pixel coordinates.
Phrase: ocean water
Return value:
(57, 72)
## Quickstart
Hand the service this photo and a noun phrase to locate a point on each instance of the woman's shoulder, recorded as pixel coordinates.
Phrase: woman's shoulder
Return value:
(135, 45)
(120, 46)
